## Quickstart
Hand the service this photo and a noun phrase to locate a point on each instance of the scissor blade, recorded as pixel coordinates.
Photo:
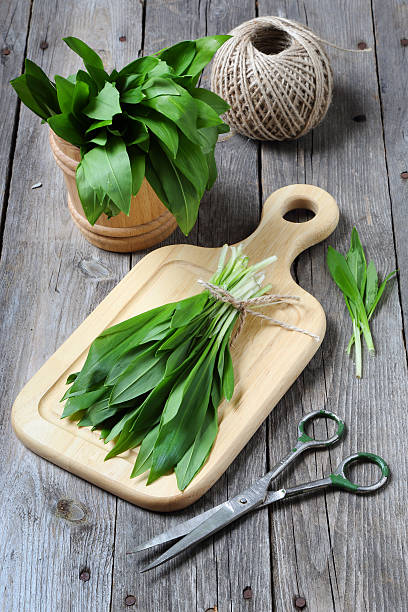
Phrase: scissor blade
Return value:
(226, 515)
(179, 530)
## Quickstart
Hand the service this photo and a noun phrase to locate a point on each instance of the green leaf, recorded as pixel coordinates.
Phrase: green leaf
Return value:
(228, 375)
(187, 309)
(25, 94)
(192, 462)
(81, 402)
(205, 49)
(72, 377)
(206, 116)
(179, 56)
(140, 66)
(108, 169)
(180, 109)
(209, 97)
(164, 129)
(84, 77)
(98, 124)
(66, 126)
(141, 376)
(100, 137)
(212, 170)
(114, 342)
(145, 454)
(137, 166)
(137, 133)
(105, 105)
(371, 286)
(179, 429)
(80, 98)
(92, 200)
(86, 53)
(65, 92)
(342, 275)
(132, 96)
(157, 86)
(356, 261)
(45, 89)
(381, 291)
(182, 198)
(193, 164)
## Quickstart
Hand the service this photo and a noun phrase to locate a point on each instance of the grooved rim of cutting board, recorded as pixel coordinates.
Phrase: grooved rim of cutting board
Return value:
(267, 359)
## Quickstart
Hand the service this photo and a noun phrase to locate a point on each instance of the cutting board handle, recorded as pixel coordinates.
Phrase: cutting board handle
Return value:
(291, 238)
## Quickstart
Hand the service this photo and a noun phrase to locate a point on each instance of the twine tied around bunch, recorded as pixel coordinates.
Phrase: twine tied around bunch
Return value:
(244, 308)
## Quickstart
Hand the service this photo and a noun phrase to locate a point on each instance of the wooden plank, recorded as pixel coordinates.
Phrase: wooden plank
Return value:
(339, 551)
(14, 20)
(391, 45)
(51, 279)
(214, 576)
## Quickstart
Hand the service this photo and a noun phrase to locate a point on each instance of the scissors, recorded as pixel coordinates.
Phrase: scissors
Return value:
(198, 528)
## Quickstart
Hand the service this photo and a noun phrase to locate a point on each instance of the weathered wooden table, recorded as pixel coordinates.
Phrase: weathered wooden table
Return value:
(67, 545)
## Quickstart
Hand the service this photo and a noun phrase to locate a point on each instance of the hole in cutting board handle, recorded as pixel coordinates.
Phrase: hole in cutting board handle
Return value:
(299, 210)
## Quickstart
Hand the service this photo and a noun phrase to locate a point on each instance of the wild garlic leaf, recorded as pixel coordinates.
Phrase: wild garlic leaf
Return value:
(191, 463)
(179, 56)
(142, 65)
(371, 286)
(156, 86)
(29, 98)
(92, 201)
(137, 166)
(211, 99)
(180, 109)
(381, 291)
(132, 96)
(86, 53)
(193, 164)
(67, 127)
(80, 99)
(65, 92)
(105, 105)
(145, 454)
(356, 261)
(100, 137)
(228, 375)
(108, 168)
(177, 434)
(205, 49)
(182, 198)
(164, 129)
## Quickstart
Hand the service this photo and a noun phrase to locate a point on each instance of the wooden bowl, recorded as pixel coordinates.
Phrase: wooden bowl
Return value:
(149, 222)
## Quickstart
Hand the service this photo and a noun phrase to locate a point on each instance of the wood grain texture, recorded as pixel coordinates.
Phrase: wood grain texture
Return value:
(343, 552)
(14, 21)
(390, 39)
(56, 524)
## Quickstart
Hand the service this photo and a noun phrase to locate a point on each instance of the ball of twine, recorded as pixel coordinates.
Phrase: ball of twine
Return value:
(276, 78)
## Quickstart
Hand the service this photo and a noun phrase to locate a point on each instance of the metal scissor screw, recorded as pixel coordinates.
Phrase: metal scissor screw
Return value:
(243, 500)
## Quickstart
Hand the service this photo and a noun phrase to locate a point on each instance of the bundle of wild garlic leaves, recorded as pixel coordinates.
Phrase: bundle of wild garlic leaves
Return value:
(358, 282)
(157, 379)
(148, 119)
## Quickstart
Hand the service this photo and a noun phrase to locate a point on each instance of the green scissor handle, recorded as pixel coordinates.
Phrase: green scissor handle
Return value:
(339, 478)
(304, 438)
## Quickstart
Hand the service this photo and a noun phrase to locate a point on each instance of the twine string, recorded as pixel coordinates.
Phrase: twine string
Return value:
(245, 308)
(275, 75)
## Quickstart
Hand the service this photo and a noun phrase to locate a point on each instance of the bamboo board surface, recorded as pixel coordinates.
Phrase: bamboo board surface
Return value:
(267, 359)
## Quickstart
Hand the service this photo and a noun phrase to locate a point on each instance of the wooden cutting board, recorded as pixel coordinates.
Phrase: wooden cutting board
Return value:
(267, 359)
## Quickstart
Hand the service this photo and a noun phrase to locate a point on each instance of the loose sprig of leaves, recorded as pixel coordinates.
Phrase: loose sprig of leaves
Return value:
(157, 379)
(147, 120)
(359, 284)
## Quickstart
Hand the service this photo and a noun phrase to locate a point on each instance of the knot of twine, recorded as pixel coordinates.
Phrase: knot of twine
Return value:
(275, 76)
(244, 308)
